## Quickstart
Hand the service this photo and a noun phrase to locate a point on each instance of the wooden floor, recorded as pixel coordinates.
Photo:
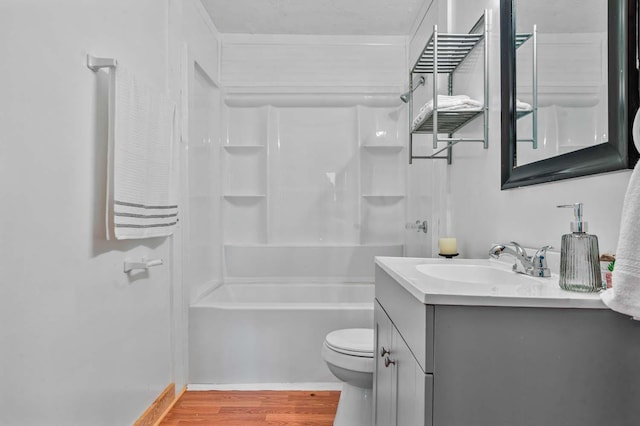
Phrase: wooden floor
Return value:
(254, 408)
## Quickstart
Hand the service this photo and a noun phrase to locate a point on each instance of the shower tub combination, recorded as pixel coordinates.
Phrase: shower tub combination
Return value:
(256, 333)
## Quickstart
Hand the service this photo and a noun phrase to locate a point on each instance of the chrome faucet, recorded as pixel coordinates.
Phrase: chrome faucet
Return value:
(535, 265)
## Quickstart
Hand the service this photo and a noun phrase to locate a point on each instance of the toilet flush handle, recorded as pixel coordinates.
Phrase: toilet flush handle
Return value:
(384, 352)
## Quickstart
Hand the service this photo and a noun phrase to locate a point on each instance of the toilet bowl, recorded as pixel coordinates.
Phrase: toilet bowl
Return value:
(349, 355)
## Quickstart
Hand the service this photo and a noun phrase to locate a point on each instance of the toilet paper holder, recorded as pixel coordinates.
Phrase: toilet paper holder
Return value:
(143, 264)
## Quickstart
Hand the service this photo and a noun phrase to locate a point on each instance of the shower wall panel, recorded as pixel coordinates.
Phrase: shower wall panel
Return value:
(314, 155)
(313, 182)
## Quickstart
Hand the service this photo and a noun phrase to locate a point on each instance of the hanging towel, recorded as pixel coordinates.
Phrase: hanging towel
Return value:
(447, 103)
(624, 297)
(141, 195)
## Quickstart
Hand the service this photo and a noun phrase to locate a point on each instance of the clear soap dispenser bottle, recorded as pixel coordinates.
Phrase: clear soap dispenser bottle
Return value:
(579, 256)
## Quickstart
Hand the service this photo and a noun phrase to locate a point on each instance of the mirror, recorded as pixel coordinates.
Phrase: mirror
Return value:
(569, 88)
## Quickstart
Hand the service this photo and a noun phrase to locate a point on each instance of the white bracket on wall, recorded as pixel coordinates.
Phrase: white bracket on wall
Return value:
(143, 264)
(95, 63)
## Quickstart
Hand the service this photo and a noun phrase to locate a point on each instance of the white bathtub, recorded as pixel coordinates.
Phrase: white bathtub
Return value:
(271, 333)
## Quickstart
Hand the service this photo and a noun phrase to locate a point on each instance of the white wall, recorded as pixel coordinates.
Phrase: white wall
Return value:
(194, 72)
(473, 208)
(81, 342)
(303, 64)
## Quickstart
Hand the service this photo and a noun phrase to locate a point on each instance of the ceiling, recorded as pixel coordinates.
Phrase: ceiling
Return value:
(319, 17)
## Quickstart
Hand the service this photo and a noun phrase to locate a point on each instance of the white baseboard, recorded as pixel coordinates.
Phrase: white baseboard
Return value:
(322, 386)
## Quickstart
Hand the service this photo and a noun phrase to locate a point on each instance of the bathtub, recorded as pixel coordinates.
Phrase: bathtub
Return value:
(271, 333)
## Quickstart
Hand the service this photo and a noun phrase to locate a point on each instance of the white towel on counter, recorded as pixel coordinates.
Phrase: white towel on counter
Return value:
(624, 296)
(141, 195)
(447, 103)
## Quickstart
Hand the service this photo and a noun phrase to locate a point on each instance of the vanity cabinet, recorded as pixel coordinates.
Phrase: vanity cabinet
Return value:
(462, 365)
(401, 386)
(383, 386)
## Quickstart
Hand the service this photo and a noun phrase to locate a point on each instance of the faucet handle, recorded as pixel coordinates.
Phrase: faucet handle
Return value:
(539, 263)
(542, 251)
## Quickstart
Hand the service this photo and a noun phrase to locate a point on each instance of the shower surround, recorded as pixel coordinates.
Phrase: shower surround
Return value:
(313, 185)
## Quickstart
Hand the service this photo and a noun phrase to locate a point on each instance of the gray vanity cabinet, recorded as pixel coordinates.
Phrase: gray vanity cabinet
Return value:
(383, 386)
(502, 365)
(401, 386)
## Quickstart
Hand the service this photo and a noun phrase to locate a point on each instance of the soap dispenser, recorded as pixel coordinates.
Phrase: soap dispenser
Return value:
(579, 256)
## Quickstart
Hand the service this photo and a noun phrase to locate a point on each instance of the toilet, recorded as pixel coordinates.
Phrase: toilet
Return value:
(349, 355)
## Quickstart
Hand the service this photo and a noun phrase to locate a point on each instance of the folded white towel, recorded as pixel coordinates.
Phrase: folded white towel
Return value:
(447, 103)
(624, 297)
(523, 106)
(142, 196)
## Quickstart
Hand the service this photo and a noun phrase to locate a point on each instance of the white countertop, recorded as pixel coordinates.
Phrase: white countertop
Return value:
(529, 292)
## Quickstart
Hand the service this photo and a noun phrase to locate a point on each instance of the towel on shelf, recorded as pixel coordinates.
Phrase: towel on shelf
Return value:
(624, 297)
(141, 194)
(523, 106)
(447, 103)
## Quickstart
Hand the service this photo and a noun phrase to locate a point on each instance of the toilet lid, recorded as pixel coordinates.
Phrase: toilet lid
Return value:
(352, 341)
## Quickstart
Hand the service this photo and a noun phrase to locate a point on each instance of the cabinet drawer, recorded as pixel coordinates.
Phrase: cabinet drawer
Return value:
(412, 319)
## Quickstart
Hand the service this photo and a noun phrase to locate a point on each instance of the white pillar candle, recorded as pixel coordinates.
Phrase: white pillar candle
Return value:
(448, 246)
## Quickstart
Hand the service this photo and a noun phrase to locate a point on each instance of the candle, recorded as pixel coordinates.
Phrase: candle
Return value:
(448, 246)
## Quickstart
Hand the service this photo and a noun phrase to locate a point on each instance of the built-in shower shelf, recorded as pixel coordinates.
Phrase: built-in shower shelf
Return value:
(232, 148)
(244, 195)
(383, 195)
(314, 245)
(389, 148)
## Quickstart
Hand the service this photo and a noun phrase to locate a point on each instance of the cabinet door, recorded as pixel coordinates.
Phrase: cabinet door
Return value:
(383, 379)
(413, 388)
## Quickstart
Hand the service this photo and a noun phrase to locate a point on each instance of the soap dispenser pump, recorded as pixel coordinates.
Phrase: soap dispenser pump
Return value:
(579, 256)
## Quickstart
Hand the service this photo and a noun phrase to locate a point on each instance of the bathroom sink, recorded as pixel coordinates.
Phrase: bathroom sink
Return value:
(476, 282)
(473, 273)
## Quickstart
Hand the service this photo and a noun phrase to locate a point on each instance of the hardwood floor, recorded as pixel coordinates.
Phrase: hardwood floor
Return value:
(254, 408)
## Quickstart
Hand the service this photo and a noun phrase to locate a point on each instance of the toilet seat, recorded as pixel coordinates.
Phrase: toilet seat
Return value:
(351, 349)
(351, 341)
(349, 356)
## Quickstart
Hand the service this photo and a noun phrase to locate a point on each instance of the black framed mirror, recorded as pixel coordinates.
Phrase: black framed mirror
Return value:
(616, 100)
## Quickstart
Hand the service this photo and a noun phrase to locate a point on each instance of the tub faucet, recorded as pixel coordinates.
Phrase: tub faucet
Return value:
(535, 265)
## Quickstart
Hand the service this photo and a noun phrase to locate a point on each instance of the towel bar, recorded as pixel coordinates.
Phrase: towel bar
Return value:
(94, 64)
(143, 264)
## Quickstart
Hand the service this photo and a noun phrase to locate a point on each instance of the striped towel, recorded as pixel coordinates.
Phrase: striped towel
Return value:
(142, 196)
